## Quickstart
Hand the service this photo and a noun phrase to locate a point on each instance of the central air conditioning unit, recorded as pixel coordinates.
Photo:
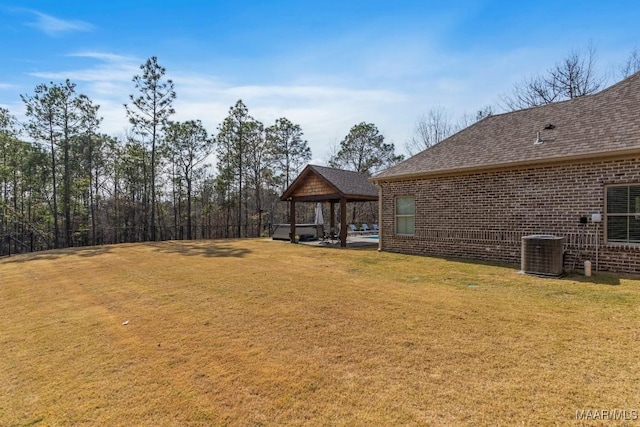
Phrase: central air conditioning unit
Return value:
(543, 255)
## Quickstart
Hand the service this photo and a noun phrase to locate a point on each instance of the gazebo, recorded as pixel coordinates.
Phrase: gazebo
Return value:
(324, 184)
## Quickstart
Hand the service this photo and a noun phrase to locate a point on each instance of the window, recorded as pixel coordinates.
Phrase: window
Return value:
(405, 215)
(623, 214)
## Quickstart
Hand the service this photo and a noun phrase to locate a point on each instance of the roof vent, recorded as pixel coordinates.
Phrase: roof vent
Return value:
(549, 126)
(538, 140)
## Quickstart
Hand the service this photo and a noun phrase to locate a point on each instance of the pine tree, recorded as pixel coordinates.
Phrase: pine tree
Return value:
(149, 113)
(189, 145)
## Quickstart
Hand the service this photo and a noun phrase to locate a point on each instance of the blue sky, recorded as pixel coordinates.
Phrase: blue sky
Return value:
(324, 65)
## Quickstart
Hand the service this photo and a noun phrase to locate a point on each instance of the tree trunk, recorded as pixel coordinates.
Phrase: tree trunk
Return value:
(189, 235)
(92, 208)
(66, 195)
(153, 187)
(176, 212)
(56, 229)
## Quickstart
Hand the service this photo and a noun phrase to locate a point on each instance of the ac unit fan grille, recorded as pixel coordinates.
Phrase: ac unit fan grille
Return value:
(543, 255)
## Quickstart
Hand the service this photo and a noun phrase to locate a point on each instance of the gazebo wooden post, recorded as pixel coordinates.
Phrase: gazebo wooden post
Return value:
(332, 221)
(379, 218)
(343, 222)
(292, 215)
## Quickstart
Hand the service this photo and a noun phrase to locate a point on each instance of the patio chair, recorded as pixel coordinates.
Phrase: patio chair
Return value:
(375, 227)
(353, 228)
(331, 237)
(364, 227)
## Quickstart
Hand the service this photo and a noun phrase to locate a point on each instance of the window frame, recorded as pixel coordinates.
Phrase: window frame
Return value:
(628, 214)
(396, 215)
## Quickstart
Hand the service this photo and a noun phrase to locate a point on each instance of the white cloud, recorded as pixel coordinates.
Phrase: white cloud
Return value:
(112, 68)
(55, 26)
(104, 56)
(325, 112)
(107, 83)
(325, 105)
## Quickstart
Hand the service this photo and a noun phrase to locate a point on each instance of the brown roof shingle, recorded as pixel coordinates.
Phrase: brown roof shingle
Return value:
(605, 123)
(348, 182)
(352, 185)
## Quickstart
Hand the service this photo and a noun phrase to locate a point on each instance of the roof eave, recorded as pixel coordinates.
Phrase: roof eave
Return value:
(509, 165)
(333, 198)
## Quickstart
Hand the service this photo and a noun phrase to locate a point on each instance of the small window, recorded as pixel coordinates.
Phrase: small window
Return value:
(623, 214)
(405, 215)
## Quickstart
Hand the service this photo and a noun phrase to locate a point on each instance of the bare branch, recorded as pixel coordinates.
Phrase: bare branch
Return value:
(574, 76)
(430, 129)
(632, 65)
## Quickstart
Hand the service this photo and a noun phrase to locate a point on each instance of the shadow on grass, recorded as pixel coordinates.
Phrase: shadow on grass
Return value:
(600, 278)
(210, 249)
(87, 251)
(610, 279)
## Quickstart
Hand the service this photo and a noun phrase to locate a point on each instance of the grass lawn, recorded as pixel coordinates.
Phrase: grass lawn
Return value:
(256, 332)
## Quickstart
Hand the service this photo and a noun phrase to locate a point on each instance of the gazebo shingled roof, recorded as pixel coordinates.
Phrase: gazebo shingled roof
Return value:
(324, 184)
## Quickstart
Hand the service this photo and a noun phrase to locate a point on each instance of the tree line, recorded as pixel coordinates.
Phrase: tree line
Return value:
(63, 183)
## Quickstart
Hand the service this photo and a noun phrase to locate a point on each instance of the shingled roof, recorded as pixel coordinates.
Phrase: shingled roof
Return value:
(592, 126)
(336, 183)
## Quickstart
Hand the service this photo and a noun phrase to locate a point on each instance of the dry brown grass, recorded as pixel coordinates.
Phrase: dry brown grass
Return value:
(255, 332)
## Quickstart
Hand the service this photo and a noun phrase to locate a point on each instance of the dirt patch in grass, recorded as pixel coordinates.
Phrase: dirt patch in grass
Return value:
(256, 332)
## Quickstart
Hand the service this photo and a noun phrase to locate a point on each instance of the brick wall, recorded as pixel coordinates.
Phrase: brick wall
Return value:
(484, 215)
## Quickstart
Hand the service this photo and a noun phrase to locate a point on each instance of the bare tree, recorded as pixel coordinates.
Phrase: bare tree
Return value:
(632, 65)
(430, 129)
(574, 76)
(468, 119)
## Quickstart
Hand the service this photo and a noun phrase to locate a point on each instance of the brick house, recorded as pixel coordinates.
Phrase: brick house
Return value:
(543, 170)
